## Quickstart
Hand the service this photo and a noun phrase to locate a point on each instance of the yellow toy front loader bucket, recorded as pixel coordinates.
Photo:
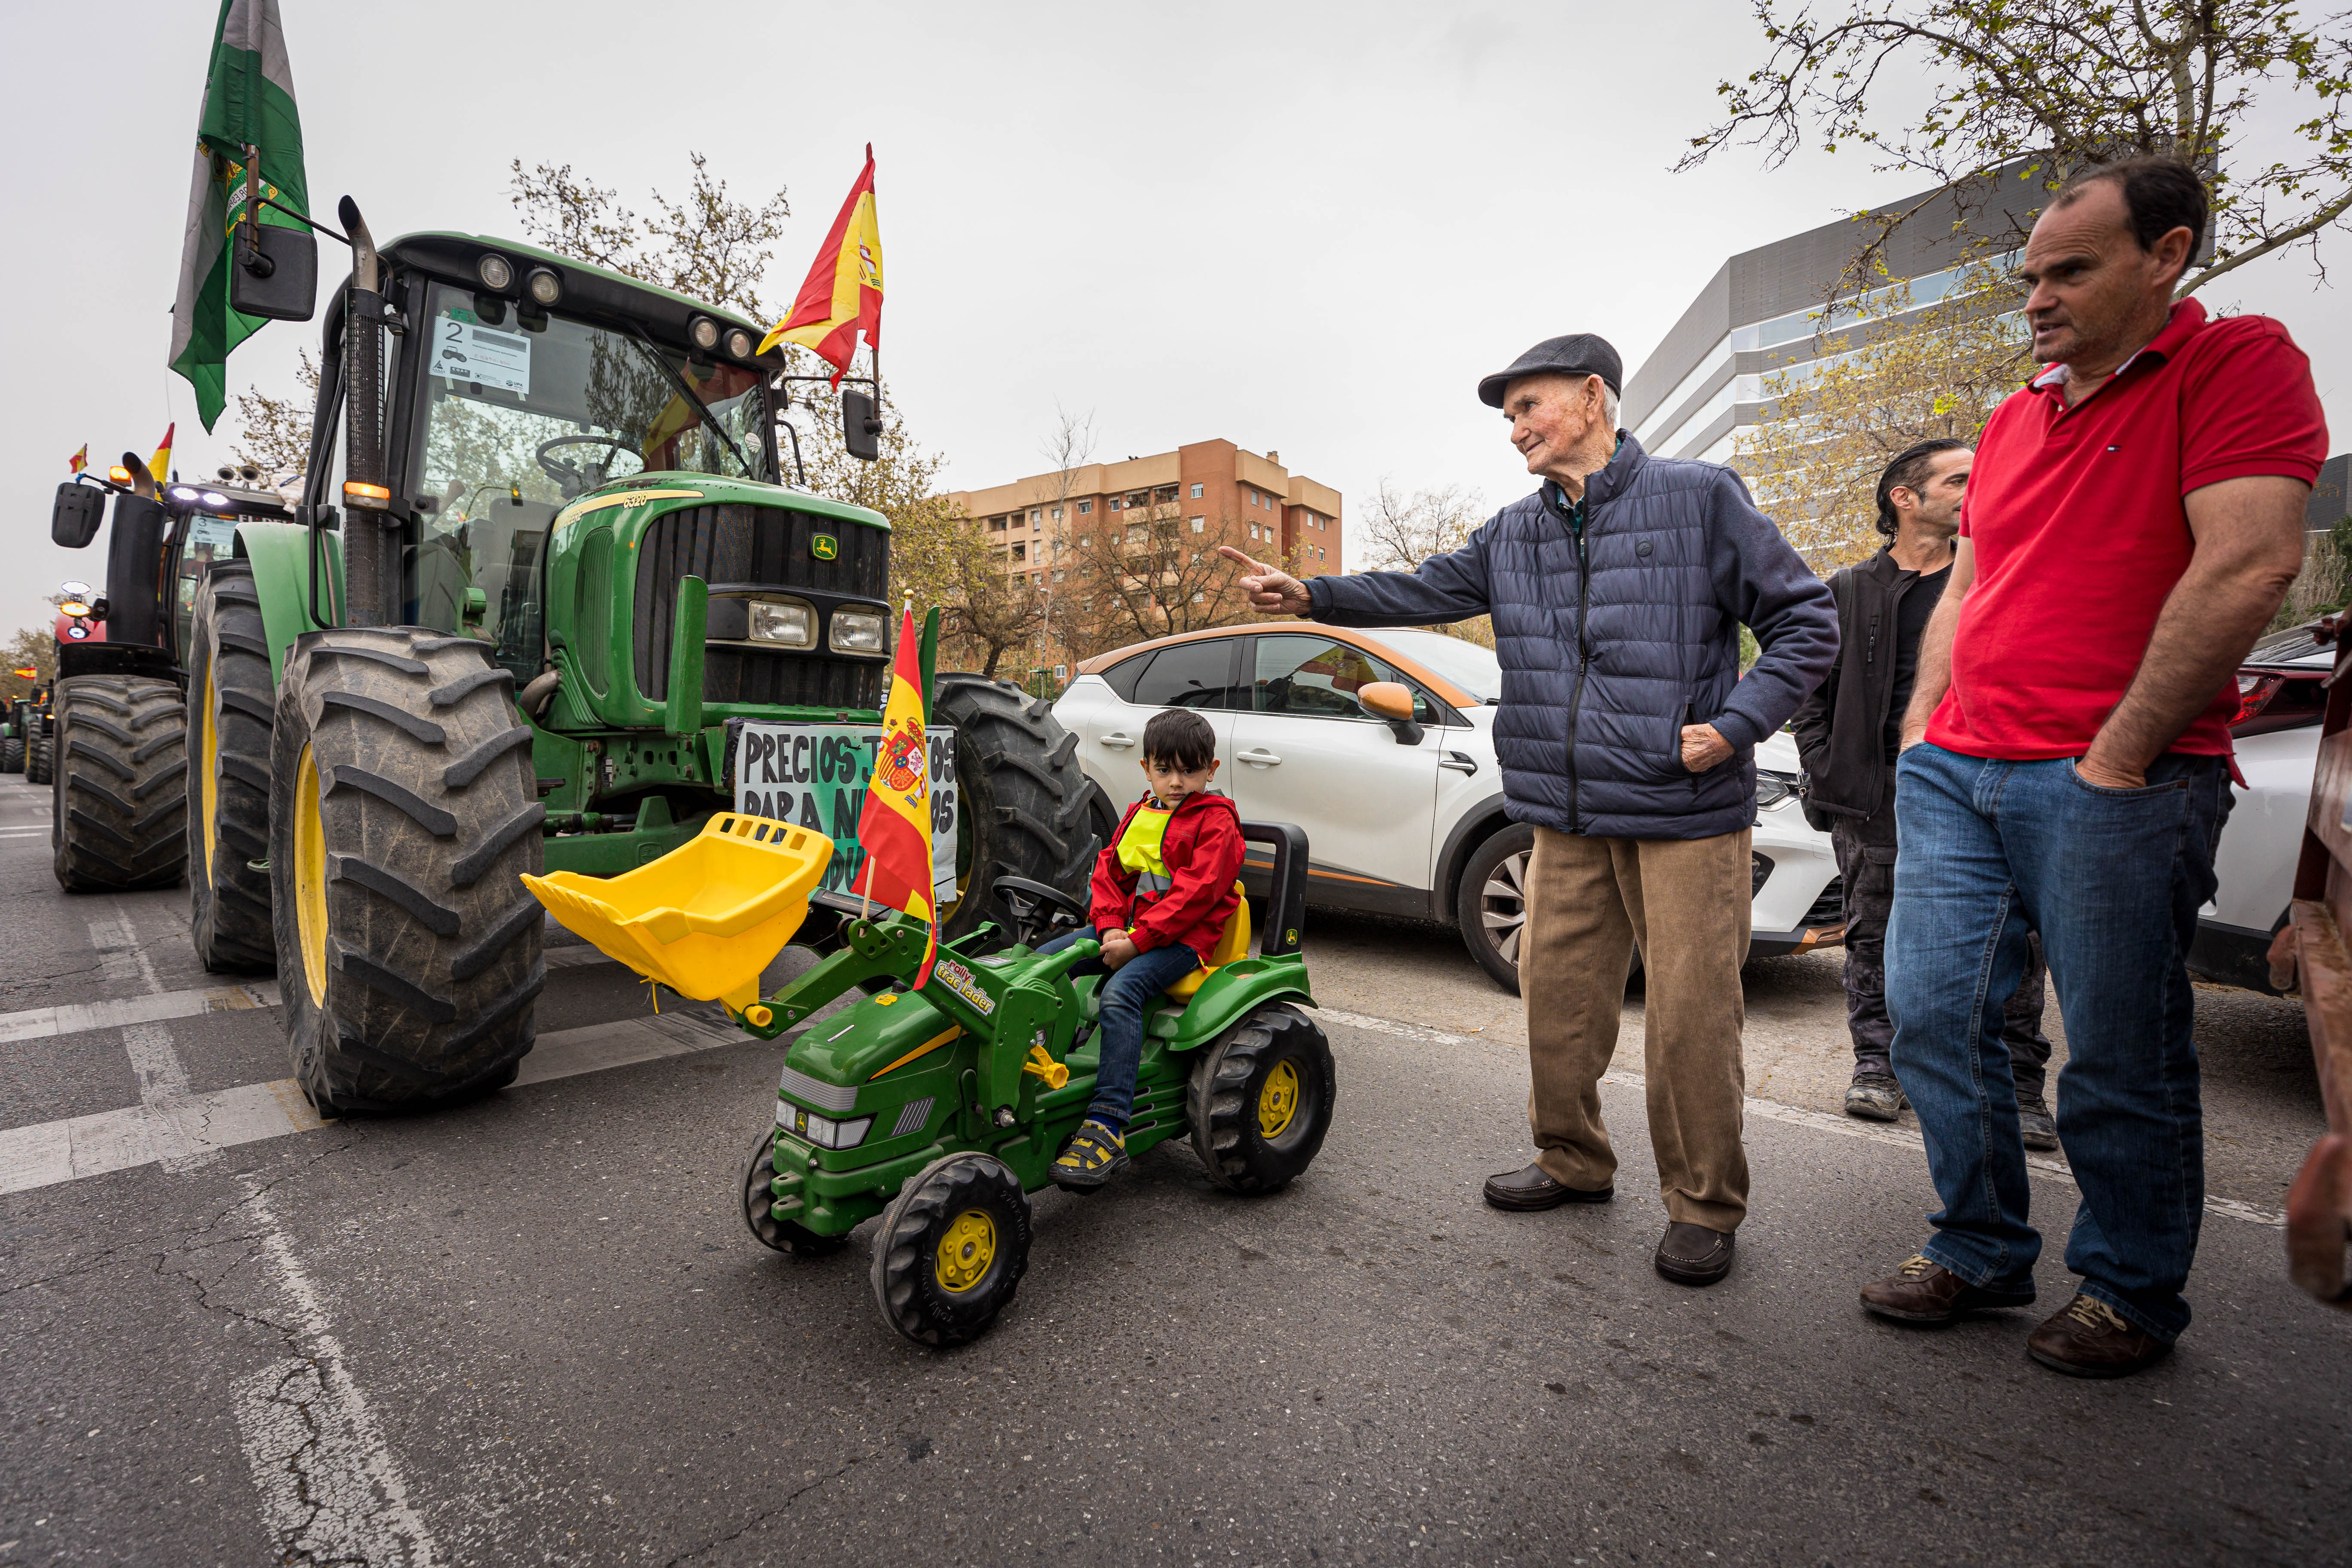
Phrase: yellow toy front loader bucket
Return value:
(707, 918)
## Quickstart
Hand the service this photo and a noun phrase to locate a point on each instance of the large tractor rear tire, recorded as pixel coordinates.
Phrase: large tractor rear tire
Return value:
(403, 809)
(1023, 798)
(12, 756)
(230, 707)
(120, 819)
(36, 760)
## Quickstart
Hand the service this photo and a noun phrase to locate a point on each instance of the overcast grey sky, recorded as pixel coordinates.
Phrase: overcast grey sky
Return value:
(1301, 226)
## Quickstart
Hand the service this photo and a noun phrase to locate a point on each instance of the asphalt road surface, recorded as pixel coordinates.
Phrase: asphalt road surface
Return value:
(534, 1330)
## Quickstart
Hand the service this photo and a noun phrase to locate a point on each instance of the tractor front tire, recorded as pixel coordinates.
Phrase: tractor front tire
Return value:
(951, 1249)
(120, 819)
(12, 756)
(1022, 799)
(230, 710)
(36, 760)
(1260, 1100)
(760, 1209)
(402, 811)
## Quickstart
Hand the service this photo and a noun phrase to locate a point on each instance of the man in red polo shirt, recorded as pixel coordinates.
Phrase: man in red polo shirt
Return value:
(2134, 519)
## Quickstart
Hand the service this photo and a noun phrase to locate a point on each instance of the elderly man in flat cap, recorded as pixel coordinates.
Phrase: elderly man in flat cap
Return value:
(1627, 739)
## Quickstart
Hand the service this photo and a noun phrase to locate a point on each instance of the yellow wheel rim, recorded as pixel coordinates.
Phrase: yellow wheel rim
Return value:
(310, 877)
(207, 763)
(966, 1251)
(1277, 1102)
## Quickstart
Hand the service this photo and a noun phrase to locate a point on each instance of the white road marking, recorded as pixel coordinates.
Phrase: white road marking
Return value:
(1797, 1116)
(175, 1120)
(331, 1489)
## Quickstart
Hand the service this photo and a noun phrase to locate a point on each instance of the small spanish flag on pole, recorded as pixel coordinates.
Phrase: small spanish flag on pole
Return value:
(159, 465)
(843, 290)
(79, 460)
(895, 827)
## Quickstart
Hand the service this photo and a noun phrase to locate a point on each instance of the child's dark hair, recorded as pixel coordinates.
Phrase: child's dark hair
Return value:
(1180, 739)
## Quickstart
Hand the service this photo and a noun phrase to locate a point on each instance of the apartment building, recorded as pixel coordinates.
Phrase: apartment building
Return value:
(1045, 524)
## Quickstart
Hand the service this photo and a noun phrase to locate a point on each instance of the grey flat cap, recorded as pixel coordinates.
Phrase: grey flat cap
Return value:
(1579, 354)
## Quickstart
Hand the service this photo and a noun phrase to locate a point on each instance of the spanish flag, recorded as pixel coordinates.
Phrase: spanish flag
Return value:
(844, 291)
(895, 827)
(79, 460)
(159, 465)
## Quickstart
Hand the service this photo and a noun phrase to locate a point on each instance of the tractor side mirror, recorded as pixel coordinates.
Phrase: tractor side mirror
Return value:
(861, 427)
(1391, 701)
(74, 518)
(277, 277)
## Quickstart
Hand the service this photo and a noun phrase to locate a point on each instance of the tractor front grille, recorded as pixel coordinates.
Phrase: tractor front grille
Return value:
(772, 547)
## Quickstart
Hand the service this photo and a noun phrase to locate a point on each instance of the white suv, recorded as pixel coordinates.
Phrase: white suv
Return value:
(1402, 816)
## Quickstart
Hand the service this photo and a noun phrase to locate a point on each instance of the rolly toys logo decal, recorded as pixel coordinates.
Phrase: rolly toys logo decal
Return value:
(960, 980)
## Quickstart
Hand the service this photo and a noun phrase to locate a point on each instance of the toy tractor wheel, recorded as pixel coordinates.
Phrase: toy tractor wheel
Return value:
(1260, 1100)
(12, 756)
(952, 1250)
(402, 811)
(120, 819)
(230, 710)
(1024, 798)
(36, 760)
(758, 1210)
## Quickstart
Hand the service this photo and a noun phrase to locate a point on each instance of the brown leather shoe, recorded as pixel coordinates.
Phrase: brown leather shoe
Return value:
(2090, 1338)
(1922, 1292)
(1532, 1189)
(1693, 1255)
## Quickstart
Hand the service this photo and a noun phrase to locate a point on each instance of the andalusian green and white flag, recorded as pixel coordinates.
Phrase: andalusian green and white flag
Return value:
(248, 100)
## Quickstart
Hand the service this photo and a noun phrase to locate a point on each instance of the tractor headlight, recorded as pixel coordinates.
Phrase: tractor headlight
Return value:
(703, 333)
(824, 1131)
(544, 285)
(787, 623)
(739, 343)
(496, 273)
(856, 631)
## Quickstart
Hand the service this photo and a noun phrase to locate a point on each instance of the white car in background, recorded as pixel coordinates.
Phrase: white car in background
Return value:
(1403, 815)
(2282, 695)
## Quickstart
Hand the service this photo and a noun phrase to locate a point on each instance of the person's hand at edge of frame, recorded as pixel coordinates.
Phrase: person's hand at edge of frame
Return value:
(1269, 587)
(1119, 951)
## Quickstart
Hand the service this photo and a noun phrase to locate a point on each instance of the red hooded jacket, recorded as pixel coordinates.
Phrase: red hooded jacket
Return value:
(1202, 852)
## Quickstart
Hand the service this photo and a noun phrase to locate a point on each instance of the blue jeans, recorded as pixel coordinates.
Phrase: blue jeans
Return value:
(1122, 999)
(2113, 880)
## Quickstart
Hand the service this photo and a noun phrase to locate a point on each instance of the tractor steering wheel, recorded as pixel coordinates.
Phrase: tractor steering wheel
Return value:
(572, 480)
(1038, 912)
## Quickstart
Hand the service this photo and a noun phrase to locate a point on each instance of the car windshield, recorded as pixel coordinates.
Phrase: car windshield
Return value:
(1468, 666)
(513, 421)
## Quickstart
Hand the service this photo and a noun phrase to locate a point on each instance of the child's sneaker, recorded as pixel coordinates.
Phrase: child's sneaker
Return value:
(1093, 1156)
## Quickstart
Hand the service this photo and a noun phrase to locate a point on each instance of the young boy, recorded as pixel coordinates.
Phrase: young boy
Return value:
(1162, 892)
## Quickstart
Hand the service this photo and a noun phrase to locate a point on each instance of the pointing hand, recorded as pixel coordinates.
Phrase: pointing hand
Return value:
(1269, 587)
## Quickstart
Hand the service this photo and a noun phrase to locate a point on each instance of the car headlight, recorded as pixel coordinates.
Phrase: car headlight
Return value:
(824, 1131)
(791, 623)
(856, 631)
(1773, 789)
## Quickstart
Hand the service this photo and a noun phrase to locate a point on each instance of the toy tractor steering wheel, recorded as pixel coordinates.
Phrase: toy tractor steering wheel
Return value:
(573, 480)
(1038, 912)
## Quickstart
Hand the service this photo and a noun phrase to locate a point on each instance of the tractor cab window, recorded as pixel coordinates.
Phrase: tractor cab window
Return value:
(207, 540)
(513, 421)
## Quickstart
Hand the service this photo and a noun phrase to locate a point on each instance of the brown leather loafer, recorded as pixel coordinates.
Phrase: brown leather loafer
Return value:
(2090, 1338)
(1531, 1189)
(1693, 1255)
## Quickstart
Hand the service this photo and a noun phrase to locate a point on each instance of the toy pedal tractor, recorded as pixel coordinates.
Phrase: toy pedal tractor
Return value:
(943, 1110)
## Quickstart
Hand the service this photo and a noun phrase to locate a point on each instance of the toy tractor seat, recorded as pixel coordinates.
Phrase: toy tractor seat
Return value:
(1232, 944)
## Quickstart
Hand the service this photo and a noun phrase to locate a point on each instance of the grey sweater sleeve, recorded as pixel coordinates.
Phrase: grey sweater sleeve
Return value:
(1763, 582)
(1450, 587)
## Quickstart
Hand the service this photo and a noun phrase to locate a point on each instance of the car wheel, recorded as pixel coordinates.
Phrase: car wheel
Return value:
(1490, 902)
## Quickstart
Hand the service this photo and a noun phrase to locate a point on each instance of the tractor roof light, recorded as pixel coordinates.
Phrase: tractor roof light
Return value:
(73, 608)
(703, 333)
(181, 493)
(739, 344)
(215, 500)
(75, 588)
(118, 474)
(496, 272)
(544, 286)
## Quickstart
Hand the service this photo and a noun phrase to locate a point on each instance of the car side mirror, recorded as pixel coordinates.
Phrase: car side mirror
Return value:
(1391, 701)
(74, 518)
(277, 277)
(861, 427)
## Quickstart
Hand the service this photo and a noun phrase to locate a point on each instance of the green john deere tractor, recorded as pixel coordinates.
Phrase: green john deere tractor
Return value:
(546, 604)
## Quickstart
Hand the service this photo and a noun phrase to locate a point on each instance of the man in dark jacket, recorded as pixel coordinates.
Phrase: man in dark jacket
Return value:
(1626, 736)
(1847, 732)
